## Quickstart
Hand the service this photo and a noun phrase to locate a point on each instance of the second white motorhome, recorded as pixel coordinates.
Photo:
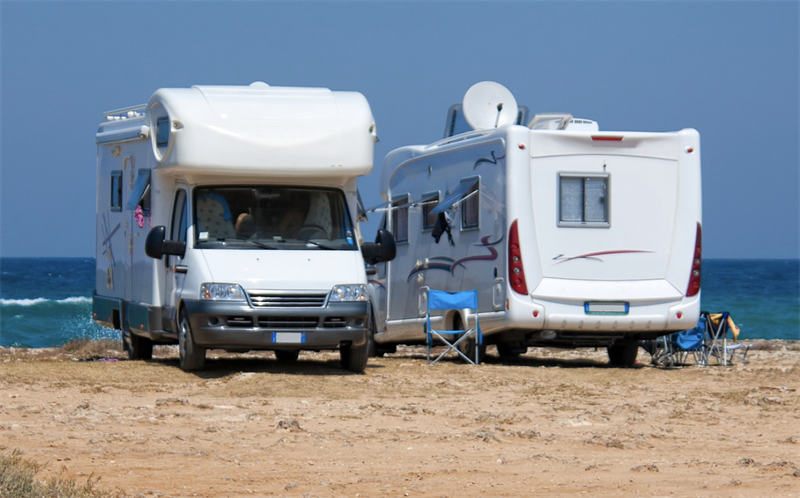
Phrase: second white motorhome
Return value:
(226, 219)
(572, 236)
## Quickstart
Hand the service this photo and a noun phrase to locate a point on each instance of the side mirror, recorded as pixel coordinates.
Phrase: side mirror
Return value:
(384, 249)
(155, 246)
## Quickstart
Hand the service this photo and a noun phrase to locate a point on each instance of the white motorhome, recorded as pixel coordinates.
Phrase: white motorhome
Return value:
(226, 219)
(572, 236)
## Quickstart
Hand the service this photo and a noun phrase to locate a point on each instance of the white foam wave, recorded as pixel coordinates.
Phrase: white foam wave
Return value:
(41, 300)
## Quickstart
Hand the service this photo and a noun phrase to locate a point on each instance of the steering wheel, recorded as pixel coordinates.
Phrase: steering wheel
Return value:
(311, 229)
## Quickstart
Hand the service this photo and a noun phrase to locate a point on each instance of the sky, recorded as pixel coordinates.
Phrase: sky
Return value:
(731, 70)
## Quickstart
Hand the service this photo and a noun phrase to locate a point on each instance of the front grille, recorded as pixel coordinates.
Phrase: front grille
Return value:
(334, 322)
(239, 321)
(271, 300)
(288, 322)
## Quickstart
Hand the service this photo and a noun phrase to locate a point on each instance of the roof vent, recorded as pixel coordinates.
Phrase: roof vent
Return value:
(259, 84)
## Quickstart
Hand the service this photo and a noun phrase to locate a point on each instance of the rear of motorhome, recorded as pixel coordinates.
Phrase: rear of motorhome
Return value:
(573, 237)
(226, 218)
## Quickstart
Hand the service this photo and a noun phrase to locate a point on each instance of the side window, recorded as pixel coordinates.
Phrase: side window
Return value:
(400, 219)
(471, 207)
(162, 131)
(429, 201)
(179, 217)
(140, 193)
(116, 190)
(583, 200)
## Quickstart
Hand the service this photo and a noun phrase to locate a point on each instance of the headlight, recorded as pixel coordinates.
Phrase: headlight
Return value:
(222, 292)
(353, 292)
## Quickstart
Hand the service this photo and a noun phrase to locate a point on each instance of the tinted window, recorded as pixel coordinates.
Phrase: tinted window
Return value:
(272, 217)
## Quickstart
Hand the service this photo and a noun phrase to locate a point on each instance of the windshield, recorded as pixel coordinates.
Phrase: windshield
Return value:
(292, 218)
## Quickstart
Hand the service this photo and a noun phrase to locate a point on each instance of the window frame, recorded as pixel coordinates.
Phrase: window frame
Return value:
(465, 199)
(583, 223)
(400, 200)
(428, 206)
(116, 175)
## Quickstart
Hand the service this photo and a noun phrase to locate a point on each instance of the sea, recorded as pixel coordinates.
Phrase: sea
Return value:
(47, 302)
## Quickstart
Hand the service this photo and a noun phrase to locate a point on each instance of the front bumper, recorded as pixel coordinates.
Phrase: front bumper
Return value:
(236, 325)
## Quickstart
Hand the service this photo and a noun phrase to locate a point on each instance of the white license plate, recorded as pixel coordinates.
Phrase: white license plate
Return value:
(288, 337)
(606, 308)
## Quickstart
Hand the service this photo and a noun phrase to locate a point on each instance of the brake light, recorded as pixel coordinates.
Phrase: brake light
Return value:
(516, 274)
(607, 138)
(694, 278)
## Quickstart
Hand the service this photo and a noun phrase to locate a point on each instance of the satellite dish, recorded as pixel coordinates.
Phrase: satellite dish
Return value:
(488, 105)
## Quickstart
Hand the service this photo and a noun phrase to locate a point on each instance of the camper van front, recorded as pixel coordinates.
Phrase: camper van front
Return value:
(274, 265)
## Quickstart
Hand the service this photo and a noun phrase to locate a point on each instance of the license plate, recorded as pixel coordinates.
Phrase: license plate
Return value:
(606, 308)
(288, 337)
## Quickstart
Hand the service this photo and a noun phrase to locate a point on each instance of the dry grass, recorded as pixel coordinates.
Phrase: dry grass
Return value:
(18, 480)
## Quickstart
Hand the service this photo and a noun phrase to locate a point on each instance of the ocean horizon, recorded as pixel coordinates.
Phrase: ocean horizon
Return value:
(47, 302)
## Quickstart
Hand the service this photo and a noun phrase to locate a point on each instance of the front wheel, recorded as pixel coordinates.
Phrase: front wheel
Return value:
(510, 350)
(623, 353)
(354, 358)
(284, 356)
(192, 356)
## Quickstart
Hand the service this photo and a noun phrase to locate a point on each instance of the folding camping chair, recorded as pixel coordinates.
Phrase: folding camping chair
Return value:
(716, 341)
(675, 349)
(466, 301)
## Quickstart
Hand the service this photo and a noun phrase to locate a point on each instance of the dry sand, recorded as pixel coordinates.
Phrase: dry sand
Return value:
(553, 423)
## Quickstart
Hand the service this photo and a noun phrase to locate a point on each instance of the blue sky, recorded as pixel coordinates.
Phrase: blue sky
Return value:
(729, 69)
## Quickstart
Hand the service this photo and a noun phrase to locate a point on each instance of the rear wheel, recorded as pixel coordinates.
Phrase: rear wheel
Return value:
(510, 350)
(623, 353)
(141, 348)
(284, 356)
(192, 356)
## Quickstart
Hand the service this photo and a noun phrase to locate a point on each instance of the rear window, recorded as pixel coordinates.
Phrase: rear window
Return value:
(583, 200)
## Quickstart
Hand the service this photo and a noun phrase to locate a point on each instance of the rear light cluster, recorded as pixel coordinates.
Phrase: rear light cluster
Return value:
(694, 278)
(516, 274)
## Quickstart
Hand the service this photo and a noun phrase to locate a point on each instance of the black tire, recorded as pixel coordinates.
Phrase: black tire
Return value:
(354, 358)
(141, 348)
(192, 356)
(623, 353)
(509, 350)
(467, 346)
(287, 356)
(372, 346)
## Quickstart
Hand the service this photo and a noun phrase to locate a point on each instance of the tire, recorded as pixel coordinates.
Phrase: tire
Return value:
(141, 348)
(192, 357)
(509, 350)
(354, 358)
(623, 353)
(467, 347)
(287, 356)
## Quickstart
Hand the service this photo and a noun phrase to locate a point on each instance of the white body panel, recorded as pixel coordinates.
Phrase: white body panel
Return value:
(640, 255)
(185, 139)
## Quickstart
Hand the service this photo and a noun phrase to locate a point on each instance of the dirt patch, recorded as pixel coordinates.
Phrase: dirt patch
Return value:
(550, 423)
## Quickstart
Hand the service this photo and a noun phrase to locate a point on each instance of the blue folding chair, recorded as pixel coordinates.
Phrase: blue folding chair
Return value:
(675, 349)
(717, 327)
(442, 300)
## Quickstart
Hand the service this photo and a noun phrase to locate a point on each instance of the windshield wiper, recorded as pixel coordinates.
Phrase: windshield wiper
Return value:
(322, 246)
(257, 243)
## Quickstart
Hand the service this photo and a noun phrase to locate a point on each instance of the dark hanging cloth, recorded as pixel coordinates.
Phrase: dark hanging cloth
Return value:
(441, 226)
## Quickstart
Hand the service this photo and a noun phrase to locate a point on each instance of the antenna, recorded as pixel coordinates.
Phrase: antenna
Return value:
(488, 105)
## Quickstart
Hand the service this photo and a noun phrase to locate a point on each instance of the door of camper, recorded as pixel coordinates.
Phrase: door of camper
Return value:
(175, 266)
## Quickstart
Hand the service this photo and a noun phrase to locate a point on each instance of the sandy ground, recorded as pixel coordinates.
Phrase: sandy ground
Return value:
(553, 423)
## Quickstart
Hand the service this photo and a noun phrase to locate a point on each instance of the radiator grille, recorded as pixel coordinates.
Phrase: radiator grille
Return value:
(288, 322)
(270, 300)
